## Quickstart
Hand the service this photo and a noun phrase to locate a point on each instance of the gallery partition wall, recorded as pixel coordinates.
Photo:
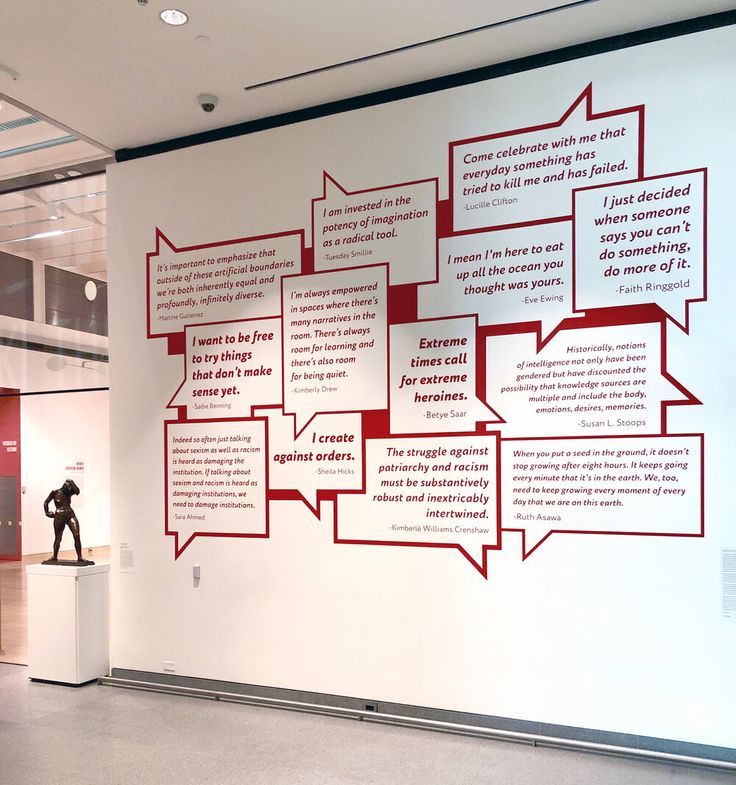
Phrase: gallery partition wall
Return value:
(424, 406)
(54, 403)
(53, 359)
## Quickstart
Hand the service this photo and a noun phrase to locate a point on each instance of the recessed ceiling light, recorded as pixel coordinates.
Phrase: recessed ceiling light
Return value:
(73, 172)
(172, 16)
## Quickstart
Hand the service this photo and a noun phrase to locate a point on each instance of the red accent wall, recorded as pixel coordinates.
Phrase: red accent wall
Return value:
(9, 453)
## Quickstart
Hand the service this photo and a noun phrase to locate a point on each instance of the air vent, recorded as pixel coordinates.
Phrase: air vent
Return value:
(490, 26)
(19, 123)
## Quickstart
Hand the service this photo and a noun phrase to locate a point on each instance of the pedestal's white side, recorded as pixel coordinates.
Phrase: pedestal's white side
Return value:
(68, 638)
(93, 639)
(52, 639)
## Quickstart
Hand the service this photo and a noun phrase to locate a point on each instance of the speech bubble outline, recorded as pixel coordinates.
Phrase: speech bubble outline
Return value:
(479, 405)
(182, 390)
(330, 183)
(663, 382)
(313, 497)
(682, 320)
(431, 304)
(179, 546)
(583, 103)
(162, 242)
(478, 558)
(300, 423)
(545, 533)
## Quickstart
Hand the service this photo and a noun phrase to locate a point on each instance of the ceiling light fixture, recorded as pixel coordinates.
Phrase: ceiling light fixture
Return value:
(43, 235)
(172, 16)
(90, 290)
(65, 199)
(58, 363)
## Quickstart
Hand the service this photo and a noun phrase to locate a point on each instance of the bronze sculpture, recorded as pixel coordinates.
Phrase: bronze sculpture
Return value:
(64, 516)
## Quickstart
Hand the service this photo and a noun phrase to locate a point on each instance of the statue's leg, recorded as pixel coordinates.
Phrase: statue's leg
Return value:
(58, 531)
(74, 526)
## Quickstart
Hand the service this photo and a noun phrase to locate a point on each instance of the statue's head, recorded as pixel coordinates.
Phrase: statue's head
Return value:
(70, 488)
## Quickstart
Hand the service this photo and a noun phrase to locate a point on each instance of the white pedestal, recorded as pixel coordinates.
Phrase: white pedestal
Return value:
(68, 617)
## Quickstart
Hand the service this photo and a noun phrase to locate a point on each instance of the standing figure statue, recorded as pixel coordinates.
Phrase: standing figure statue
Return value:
(64, 516)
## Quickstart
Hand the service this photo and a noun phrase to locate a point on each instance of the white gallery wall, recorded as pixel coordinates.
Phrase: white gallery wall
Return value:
(443, 454)
(65, 435)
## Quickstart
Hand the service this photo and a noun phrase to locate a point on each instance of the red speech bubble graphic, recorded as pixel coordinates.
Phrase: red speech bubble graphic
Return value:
(646, 486)
(438, 492)
(392, 223)
(593, 381)
(327, 456)
(222, 281)
(230, 367)
(335, 342)
(432, 377)
(527, 174)
(216, 479)
(506, 276)
(642, 242)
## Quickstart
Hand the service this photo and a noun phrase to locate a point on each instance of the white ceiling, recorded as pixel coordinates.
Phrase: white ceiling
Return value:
(62, 224)
(113, 72)
(29, 144)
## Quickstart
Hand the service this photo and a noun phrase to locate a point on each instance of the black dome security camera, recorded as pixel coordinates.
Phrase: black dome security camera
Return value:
(207, 102)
